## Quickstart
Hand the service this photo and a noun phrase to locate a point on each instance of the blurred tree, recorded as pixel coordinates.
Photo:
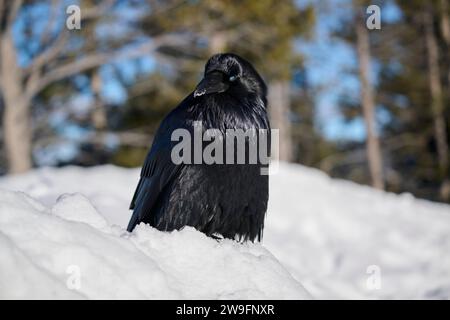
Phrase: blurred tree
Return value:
(264, 32)
(60, 53)
(310, 147)
(437, 103)
(369, 168)
(413, 61)
(444, 9)
(374, 156)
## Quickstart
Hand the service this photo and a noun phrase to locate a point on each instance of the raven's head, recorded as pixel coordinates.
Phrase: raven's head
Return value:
(227, 72)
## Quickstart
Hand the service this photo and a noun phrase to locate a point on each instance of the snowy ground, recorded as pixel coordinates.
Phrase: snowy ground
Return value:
(336, 238)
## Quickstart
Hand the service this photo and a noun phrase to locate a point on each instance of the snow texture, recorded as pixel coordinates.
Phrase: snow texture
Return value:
(62, 235)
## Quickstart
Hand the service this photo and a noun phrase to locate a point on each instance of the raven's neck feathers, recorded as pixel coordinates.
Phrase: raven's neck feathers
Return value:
(222, 111)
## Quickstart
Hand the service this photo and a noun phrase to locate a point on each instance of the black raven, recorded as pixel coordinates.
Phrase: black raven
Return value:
(218, 199)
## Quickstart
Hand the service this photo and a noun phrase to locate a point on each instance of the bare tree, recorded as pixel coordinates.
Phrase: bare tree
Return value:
(19, 85)
(374, 155)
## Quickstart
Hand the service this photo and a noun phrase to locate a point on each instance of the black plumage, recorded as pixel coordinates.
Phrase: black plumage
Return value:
(217, 199)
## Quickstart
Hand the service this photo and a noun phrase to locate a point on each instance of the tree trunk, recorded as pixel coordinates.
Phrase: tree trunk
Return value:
(99, 117)
(445, 30)
(373, 149)
(436, 94)
(279, 105)
(445, 24)
(16, 117)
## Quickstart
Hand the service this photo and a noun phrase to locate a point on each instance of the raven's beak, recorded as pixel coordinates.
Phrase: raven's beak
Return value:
(213, 82)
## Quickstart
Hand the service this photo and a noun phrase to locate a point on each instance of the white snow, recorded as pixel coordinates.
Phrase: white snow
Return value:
(64, 237)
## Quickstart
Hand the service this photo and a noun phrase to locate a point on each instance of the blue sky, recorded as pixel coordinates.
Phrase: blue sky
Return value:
(328, 61)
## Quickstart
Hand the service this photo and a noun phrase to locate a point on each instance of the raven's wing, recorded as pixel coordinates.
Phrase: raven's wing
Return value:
(158, 170)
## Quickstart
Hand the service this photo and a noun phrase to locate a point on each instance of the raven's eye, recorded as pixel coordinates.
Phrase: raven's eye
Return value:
(233, 78)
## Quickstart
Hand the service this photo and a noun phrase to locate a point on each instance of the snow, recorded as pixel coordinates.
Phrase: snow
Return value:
(69, 250)
(64, 237)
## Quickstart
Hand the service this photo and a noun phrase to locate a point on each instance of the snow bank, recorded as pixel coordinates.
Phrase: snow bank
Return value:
(339, 239)
(70, 251)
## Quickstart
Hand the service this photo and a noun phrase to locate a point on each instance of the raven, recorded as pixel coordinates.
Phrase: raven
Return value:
(228, 200)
